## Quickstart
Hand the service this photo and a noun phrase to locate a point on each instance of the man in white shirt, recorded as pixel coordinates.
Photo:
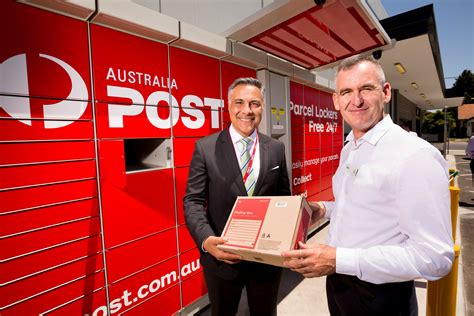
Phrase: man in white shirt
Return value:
(390, 221)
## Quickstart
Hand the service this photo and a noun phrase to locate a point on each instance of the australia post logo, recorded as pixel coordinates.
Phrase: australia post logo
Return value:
(14, 81)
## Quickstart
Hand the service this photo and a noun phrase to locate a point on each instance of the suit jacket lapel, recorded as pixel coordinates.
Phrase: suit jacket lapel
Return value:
(233, 171)
(263, 145)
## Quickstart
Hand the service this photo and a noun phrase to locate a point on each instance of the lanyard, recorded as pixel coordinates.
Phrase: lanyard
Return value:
(249, 168)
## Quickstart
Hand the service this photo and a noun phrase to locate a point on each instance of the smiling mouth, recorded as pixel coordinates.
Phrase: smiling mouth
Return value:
(358, 110)
(245, 119)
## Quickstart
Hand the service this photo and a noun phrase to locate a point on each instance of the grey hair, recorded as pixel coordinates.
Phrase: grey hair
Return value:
(246, 81)
(352, 61)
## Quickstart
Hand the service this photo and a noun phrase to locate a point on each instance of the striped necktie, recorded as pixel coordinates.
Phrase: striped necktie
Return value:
(244, 164)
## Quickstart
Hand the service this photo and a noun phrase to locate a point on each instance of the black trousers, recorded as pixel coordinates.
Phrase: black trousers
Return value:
(348, 295)
(261, 282)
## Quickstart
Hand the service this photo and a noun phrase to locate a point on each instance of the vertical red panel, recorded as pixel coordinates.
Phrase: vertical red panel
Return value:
(181, 178)
(22, 289)
(83, 306)
(143, 286)
(194, 288)
(297, 137)
(55, 297)
(47, 54)
(145, 205)
(197, 77)
(20, 153)
(135, 75)
(193, 284)
(163, 304)
(132, 257)
(38, 262)
(185, 240)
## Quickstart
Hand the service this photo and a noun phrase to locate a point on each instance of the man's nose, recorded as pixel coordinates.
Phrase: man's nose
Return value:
(357, 99)
(246, 108)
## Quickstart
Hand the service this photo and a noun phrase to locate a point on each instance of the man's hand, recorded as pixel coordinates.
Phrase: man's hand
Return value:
(210, 245)
(312, 260)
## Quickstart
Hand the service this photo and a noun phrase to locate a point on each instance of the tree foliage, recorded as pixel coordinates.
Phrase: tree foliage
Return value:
(433, 122)
(465, 85)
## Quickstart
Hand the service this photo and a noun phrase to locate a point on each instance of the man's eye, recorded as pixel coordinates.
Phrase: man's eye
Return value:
(344, 93)
(255, 104)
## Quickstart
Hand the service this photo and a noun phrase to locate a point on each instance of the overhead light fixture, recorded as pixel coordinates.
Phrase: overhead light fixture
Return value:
(414, 85)
(422, 95)
(399, 67)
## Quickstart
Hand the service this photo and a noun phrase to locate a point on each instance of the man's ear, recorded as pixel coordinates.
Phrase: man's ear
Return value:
(387, 92)
(335, 101)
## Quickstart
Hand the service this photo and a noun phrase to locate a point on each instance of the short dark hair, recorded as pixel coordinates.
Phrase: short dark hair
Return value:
(246, 81)
(352, 61)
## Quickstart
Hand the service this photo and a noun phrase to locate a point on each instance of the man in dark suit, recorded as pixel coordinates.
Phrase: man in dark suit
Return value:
(238, 161)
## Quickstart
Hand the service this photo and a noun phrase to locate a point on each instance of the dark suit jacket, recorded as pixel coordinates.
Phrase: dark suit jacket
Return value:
(215, 181)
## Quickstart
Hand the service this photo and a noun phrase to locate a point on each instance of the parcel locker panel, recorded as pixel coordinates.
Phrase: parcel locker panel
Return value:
(186, 242)
(326, 182)
(28, 175)
(198, 95)
(45, 56)
(312, 174)
(163, 304)
(144, 205)
(127, 259)
(128, 69)
(145, 285)
(326, 160)
(297, 119)
(193, 288)
(23, 153)
(183, 150)
(84, 305)
(326, 195)
(41, 261)
(181, 178)
(312, 124)
(297, 171)
(16, 130)
(47, 216)
(23, 244)
(33, 285)
(56, 113)
(13, 200)
(190, 264)
(54, 297)
(116, 120)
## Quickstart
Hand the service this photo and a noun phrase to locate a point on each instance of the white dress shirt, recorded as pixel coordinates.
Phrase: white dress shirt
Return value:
(238, 148)
(391, 221)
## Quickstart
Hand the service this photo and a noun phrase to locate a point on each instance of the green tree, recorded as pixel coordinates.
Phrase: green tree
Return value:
(433, 123)
(465, 85)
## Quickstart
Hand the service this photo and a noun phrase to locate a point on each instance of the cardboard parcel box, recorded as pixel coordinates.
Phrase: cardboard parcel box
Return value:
(260, 228)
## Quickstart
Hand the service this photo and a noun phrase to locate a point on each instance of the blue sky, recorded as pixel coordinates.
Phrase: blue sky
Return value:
(455, 27)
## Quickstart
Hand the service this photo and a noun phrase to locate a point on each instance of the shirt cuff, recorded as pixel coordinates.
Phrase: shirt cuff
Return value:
(347, 261)
(202, 246)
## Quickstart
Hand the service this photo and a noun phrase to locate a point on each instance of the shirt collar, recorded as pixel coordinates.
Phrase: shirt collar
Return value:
(376, 132)
(236, 137)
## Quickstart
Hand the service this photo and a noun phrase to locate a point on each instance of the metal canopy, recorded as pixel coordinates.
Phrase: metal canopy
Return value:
(312, 36)
(417, 49)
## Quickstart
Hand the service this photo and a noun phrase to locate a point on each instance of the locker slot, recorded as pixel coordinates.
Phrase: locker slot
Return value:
(145, 154)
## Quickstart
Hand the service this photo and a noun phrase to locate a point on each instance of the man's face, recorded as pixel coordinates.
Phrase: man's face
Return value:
(245, 108)
(360, 97)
